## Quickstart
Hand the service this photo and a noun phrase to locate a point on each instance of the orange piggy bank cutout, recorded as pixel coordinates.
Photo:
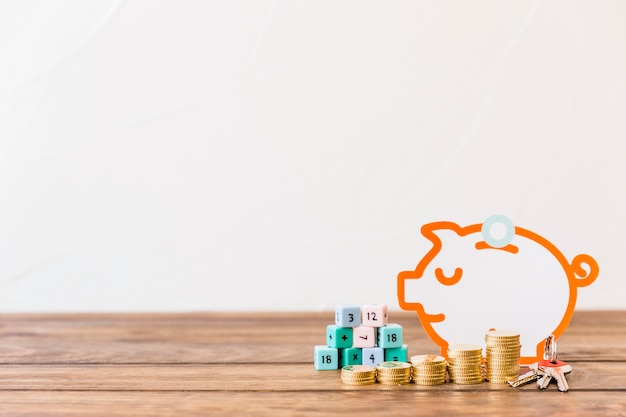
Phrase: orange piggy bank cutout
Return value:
(471, 282)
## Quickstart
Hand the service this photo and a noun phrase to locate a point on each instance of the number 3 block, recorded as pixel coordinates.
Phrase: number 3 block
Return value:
(374, 315)
(347, 316)
(326, 358)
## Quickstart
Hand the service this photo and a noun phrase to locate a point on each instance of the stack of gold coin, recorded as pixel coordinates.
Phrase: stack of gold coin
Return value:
(429, 369)
(465, 364)
(358, 375)
(502, 358)
(393, 373)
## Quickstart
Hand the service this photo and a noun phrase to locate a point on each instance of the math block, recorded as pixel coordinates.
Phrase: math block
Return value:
(325, 358)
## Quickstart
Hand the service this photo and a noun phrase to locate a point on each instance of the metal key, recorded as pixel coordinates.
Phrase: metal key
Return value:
(558, 369)
(546, 378)
(534, 374)
(555, 368)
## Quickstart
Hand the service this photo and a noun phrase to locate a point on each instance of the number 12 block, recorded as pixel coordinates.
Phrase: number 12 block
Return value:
(374, 315)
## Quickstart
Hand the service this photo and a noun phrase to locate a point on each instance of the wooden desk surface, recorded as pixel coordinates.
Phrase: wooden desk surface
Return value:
(262, 364)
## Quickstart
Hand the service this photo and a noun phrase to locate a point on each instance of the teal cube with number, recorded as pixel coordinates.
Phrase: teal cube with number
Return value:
(389, 336)
(373, 356)
(338, 337)
(326, 358)
(350, 356)
(397, 354)
(347, 316)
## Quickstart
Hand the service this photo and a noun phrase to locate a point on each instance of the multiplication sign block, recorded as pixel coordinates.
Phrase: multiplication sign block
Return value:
(350, 356)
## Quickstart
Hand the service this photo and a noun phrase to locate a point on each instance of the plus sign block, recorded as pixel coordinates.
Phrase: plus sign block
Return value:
(338, 337)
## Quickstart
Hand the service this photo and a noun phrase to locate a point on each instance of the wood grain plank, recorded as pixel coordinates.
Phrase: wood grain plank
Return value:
(238, 337)
(252, 378)
(353, 403)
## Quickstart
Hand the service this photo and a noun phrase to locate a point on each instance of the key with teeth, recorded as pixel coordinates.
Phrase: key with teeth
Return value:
(534, 374)
(553, 368)
(557, 370)
(544, 381)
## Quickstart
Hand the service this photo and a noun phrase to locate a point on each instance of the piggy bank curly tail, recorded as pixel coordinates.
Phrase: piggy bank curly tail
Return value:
(584, 276)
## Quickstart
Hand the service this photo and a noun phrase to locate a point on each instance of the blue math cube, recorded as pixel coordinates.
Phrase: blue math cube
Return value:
(373, 356)
(347, 316)
(389, 336)
(326, 358)
(338, 337)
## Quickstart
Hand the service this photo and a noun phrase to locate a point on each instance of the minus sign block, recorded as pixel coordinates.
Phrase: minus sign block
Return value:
(363, 337)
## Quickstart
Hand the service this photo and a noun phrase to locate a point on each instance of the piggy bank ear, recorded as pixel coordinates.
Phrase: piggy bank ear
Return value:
(437, 230)
(585, 269)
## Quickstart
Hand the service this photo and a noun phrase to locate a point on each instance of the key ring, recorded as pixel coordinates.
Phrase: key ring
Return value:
(549, 349)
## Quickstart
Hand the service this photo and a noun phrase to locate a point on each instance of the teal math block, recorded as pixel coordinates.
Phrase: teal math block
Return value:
(338, 337)
(350, 356)
(397, 354)
(326, 358)
(389, 336)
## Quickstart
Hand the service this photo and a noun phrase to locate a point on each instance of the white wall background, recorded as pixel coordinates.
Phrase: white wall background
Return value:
(282, 155)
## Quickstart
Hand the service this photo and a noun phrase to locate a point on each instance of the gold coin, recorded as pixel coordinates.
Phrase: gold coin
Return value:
(360, 383)
(358, 368)
(424, 373)
(429, 377)
(393, 365)
(506, 334)
(427, 359)
(428, 364)
(465, 348)
(429, 383)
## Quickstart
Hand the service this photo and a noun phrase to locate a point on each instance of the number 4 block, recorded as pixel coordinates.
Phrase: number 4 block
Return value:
(326, 358)
(373, 356)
